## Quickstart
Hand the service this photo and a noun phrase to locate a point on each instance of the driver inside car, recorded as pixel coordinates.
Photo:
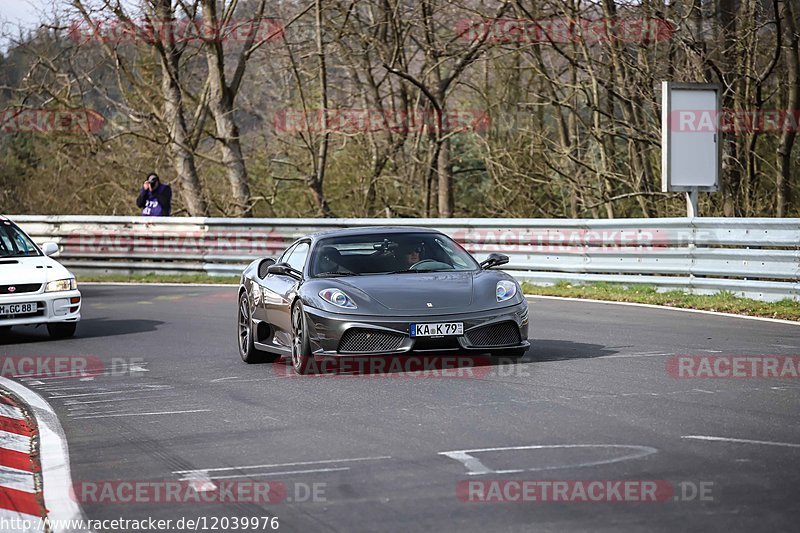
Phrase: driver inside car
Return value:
(410, 254)
(330, 260)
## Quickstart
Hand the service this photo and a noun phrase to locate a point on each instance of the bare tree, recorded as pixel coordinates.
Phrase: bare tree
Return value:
(790, 38)
(142, 102)
(435, 82)
(169, 54)
(318, 179)
(222, 94)
(571, 88)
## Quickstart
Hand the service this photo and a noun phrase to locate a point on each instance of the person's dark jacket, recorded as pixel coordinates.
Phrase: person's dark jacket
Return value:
(155, 203)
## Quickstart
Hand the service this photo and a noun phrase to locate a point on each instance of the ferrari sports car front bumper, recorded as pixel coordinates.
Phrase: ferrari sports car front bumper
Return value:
(495, 331)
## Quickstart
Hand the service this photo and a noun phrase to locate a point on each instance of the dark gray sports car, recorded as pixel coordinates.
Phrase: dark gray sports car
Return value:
(386, 291)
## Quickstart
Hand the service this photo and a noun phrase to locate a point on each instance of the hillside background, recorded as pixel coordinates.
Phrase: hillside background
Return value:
(487, 114)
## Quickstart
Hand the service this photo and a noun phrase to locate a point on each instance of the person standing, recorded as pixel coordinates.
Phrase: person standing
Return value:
(155, 198)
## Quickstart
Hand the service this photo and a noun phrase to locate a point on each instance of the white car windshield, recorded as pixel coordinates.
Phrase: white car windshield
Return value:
(389, 254)
(14, 243)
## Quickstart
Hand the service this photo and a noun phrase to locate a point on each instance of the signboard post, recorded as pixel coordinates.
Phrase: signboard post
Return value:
(691, 146)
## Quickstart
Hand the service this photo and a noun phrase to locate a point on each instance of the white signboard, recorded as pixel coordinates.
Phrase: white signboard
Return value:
(690, 137)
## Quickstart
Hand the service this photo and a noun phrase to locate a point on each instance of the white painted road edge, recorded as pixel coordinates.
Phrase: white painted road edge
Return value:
(667, 308)
(564, 298)
(740, 441)
(475, 467)
(54, 457)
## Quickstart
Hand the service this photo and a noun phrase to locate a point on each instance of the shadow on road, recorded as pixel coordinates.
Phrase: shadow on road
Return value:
(560, 350)
(87, 329)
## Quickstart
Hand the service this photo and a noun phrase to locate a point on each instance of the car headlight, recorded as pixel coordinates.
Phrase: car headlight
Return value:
(62, 285)
(505, 290)
(337, 298)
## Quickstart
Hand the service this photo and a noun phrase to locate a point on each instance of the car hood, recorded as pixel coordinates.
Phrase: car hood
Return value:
(36, 269)
(410, 294)
(444, 291)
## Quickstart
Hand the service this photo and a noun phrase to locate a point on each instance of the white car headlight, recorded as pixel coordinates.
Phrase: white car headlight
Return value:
(337, 298)
(68, 284)
(505, 290)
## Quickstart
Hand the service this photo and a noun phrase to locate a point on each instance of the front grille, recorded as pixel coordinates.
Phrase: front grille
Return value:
(501, 334)
(20, 289)
(358, 340)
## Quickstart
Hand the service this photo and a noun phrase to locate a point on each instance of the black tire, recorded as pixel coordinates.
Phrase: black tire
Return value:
(61, 330)
(302, 360)
(4, 329)
(244, 330)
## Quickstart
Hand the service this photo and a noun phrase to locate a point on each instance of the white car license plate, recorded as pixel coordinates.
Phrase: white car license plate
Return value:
(17, 309)
(436, 330)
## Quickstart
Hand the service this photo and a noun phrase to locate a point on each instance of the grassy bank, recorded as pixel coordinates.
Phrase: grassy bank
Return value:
(724, 302)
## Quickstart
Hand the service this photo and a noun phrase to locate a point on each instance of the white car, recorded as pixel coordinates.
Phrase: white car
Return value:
(35, 289)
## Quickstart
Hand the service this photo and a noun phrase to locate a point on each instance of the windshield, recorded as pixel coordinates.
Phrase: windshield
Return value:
(14, 243)
(389, 254)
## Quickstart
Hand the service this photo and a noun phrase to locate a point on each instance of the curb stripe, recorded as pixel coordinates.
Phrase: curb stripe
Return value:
(58, 502)
(9, 411)
(20, 501)
(20, 427)
(15, 460)
(12, 478)
(14, 442)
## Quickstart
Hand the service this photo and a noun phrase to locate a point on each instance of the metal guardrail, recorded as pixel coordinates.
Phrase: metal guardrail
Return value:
(754, 257)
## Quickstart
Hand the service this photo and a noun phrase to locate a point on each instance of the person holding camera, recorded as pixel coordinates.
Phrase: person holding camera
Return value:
(155, 198)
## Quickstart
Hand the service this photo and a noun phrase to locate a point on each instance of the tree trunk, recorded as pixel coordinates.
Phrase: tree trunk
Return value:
(731, 164)
(322, 152)
(221, 101)
(637, 151)
(231, 149)
(786, 143)
(444, 171)
(182, 156)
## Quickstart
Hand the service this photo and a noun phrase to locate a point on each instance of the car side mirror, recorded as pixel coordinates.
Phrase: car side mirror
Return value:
(264, 265)
(49, 248)
(494, 260)
(283, 269)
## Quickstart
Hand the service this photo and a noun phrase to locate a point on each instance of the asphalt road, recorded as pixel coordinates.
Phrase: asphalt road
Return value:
(591, 400)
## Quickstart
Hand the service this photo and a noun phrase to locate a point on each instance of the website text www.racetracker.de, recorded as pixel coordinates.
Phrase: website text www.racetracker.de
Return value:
(200, 523)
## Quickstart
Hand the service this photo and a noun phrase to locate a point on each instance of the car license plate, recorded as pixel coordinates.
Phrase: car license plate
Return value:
(17, 309)
(436, 330)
